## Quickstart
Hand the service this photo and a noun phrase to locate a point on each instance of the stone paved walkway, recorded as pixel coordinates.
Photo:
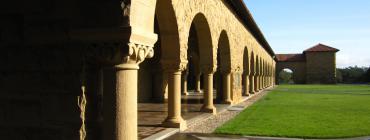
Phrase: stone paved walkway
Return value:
(151, 115)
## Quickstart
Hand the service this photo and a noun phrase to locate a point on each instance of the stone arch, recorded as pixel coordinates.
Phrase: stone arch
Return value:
(151, 74)
(257, 74)
(203, 32)
(169, 34)
(223, 53)
(252, 73)
(284, 68)
(222, 75)
(246, 72)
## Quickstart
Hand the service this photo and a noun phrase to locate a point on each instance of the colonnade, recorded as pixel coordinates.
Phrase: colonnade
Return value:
(180, 48)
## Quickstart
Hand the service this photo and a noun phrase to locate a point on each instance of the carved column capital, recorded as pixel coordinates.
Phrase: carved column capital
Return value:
(136, 53)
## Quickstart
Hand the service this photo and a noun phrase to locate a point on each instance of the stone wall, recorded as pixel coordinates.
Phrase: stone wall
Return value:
(298, 68)
(321, 67)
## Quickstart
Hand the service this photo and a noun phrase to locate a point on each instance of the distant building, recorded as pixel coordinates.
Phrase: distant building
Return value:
(315, 65)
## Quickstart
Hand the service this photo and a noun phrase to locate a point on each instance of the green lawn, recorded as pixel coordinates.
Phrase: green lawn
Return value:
(306, 111)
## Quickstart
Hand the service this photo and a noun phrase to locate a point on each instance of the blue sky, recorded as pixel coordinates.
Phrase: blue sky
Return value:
(291, 26)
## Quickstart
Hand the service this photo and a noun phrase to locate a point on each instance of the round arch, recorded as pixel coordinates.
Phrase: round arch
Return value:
(252, 73)
(246, 72)
(169, 34)
(223, 53)
(222, 75)
(258, 72)
(204, 42)
(285, 75)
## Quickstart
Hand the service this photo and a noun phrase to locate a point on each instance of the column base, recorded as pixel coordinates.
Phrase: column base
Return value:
(165, 100)
(175, 123)
(208, 109)
(198, 91)
(246, 94)
(185, 93)
(229, 102)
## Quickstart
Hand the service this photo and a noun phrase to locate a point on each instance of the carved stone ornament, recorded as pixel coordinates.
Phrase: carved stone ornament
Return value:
(137, 53)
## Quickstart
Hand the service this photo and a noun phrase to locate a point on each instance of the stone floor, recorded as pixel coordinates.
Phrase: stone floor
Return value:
(151, 115)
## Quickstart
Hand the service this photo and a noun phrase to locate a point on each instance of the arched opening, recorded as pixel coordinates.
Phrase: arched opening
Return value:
(252, 74)
(246, 72)
(154, 75)
(200, 45)
(192, 75)
(223, 68)
(150, 74)
(199, 55)
(286, 76)
(257, 74)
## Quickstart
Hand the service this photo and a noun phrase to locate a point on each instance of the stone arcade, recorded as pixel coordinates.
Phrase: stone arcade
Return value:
(76, 69)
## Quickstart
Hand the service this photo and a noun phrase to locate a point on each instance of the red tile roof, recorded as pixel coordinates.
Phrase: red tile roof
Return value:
(321, 48)
(290, 57)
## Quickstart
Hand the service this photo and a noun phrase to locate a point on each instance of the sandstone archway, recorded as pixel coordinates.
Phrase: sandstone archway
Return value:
(246, 72)
(202, 30)
(222, 75)
(252, 75)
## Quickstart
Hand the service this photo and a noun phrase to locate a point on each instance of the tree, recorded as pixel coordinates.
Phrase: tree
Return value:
(352, 74)
(366, 76)
(285, 77)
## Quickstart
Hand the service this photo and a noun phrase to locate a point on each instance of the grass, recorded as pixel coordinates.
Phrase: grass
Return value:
(306, 111)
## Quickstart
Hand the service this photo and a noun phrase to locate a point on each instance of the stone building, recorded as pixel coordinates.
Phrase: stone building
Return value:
(315, 65)
(78, 69)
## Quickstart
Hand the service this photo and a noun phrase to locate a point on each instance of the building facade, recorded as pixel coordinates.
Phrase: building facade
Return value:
(316, 65)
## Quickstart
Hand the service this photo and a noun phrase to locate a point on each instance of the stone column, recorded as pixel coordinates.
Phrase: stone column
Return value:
(251, 84)
(226, 84)
(165, 87)
(120, 94)
(184, 80)
(197, 83)
(256, 83)
(126, 101)
(246, 85)
(208, 93)
(260, 84)
(174, 118)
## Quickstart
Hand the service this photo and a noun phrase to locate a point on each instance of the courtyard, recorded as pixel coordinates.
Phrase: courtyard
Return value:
(306, 111)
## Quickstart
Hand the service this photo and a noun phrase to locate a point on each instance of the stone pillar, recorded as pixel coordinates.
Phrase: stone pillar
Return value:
(226, 84)
(246, 85)
(174, 118)
(165, 87)
(260, 84)
(184, 80)
(256, 83)
(197, 83)
(208, 94)
(126, 101)
(251, 84)
(120, 93)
